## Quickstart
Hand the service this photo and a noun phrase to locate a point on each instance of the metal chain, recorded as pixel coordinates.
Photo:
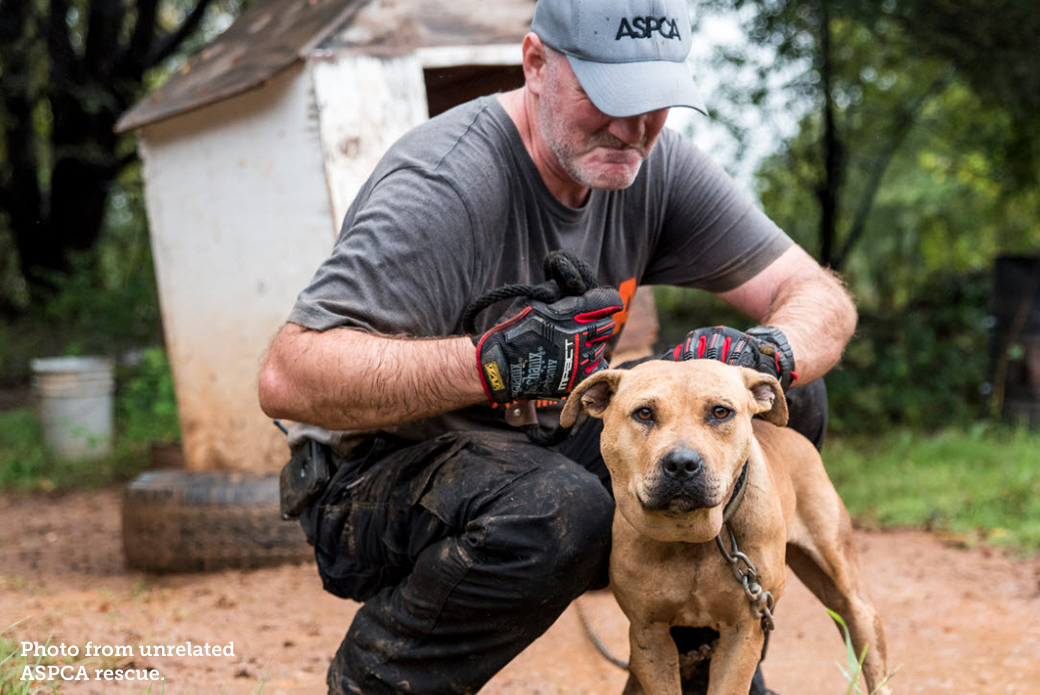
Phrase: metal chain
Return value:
(762, 601)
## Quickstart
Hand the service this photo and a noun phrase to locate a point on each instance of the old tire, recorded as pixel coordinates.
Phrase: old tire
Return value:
(175, 521)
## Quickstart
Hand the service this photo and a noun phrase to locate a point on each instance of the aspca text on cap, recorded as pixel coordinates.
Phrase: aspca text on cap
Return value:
(644, 28)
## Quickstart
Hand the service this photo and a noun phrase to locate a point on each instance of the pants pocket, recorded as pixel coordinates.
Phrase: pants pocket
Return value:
(460, 487)
(361, 524)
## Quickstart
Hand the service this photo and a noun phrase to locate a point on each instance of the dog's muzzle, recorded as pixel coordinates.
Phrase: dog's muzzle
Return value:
(679, 484)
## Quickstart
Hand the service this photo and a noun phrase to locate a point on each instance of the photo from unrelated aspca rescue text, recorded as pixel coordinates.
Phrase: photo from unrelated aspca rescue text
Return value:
(46, 662)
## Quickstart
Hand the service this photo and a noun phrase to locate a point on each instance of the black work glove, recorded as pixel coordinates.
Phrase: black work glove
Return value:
(763, 348)
(546, 349)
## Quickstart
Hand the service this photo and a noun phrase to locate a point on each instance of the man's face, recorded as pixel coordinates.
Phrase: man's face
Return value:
(596, 150)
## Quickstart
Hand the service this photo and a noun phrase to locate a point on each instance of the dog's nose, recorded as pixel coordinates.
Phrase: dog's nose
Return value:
(681, 464)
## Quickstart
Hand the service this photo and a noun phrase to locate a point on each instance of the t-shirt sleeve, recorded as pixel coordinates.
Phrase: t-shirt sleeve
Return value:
(401, 264)
(713, 237)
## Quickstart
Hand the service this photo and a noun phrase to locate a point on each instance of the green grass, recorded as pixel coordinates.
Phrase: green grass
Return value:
(144, 412)
(853, 667)
(982, 482)
(12, 666)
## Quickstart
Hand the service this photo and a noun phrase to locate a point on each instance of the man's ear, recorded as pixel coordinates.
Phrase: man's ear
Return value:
(535, 63)
(767, 398)
(592, 395)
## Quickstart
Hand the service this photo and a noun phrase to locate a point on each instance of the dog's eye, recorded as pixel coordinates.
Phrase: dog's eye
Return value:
(720, 413)
(644, 415)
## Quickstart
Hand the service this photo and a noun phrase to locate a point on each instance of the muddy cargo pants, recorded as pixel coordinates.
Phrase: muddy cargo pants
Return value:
(464, 550)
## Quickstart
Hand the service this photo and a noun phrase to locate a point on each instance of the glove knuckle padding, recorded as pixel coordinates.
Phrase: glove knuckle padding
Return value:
(763, 348)
(549, 348)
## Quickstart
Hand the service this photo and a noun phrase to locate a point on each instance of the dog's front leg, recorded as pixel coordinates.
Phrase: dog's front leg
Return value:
(735, 658)
(654, 660)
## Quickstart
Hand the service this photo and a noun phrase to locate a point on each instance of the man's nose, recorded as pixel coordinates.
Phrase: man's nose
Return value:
(630, 130)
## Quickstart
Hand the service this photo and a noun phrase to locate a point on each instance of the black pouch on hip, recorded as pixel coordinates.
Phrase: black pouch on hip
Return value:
(303, 478)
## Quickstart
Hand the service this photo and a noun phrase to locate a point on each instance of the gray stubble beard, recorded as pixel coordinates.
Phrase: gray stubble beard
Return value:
(566, 158)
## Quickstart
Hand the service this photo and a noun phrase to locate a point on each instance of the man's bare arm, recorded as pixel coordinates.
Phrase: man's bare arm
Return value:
(349, 379)
(806, 302)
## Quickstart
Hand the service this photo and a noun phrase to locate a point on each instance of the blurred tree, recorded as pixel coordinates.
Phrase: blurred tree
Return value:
(70, 68)
(869, 73)
(992, 46)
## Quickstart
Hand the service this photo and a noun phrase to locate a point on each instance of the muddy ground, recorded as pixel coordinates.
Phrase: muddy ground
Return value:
(958, 620)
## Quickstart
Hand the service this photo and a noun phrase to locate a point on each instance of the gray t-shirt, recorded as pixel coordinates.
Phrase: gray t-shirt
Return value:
(457, 208)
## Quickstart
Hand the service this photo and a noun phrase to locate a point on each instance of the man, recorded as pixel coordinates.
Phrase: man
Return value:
(463, 538)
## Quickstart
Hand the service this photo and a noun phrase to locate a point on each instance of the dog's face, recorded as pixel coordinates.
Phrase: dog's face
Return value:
(675, 438)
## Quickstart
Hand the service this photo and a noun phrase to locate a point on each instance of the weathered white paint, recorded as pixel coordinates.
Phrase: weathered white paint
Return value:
(450, 56)
(364, 104)
(240, 219)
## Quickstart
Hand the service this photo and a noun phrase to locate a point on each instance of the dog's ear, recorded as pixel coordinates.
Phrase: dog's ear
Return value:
(592, 395)
(767, 398)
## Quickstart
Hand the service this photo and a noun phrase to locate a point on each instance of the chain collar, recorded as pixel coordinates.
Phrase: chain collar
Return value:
(744, 571)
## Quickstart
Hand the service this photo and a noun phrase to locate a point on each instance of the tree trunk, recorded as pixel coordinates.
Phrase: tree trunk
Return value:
(828, 192)
(20, 192)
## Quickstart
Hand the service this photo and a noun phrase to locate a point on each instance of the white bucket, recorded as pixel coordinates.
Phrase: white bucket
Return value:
(74, 401)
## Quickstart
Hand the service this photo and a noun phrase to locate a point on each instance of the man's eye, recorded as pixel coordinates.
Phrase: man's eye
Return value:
(644, 415)
(720, 413)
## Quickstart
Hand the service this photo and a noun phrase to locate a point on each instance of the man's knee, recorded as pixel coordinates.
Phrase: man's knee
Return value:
(555, 544)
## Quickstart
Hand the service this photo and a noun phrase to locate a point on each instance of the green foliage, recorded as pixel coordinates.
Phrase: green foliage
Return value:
(980, 482)
(145, 406)
(110, 300)
(941, 206)
(23, 462)
(992, 46)
(900, 124)
(920, 366)
(144, 412)
(853, 668)
(107, 306)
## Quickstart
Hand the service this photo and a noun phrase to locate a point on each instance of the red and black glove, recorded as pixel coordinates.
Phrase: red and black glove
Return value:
(547, 349)
(763, 348)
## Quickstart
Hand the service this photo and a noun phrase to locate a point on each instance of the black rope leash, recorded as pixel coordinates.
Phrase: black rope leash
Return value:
(597, 641)
(566, 276)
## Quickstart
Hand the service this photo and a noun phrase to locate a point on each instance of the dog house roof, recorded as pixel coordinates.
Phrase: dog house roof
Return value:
(273, 35)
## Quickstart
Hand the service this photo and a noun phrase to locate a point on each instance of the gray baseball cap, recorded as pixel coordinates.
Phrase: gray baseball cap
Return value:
(628, 55)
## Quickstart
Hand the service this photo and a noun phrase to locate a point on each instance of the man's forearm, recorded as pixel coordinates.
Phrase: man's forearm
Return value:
(806, 302)
(348, 379)
(818, 318)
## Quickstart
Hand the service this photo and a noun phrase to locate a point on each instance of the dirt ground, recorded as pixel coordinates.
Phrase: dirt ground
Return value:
(958, 620)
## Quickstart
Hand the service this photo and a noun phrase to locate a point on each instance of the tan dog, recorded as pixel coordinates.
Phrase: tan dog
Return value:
(676, 437)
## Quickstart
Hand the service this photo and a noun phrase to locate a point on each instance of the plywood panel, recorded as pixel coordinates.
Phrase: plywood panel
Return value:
(364, 104)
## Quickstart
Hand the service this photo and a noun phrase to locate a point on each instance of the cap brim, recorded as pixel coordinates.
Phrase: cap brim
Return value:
(628, 89)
